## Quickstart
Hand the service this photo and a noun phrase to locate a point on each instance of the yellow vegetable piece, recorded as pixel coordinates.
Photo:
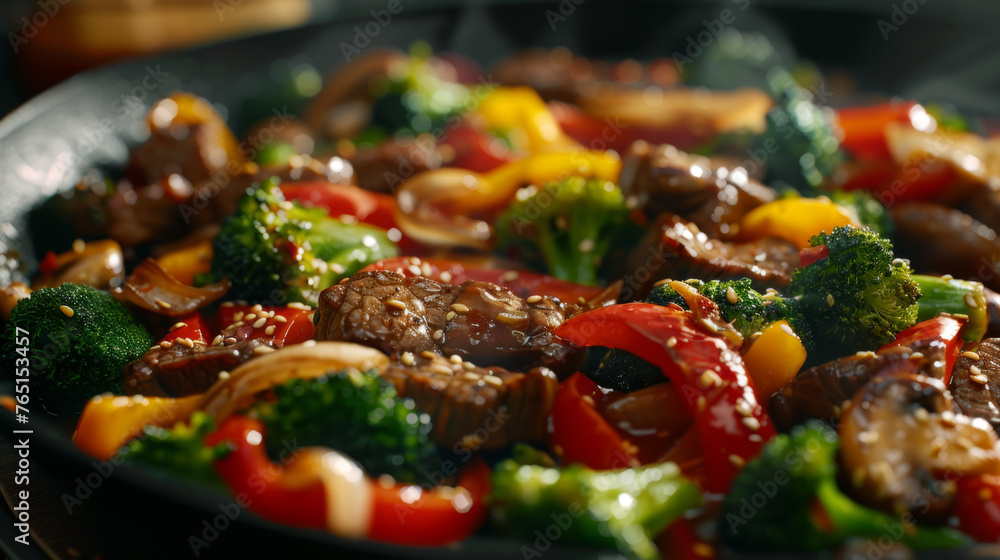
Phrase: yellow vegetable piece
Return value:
(522, 109)
(184, 263)
(794, 219)
(773, 359)
(109, 422)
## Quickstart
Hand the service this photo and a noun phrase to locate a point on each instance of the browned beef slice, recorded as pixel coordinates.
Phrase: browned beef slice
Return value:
(476, 407)
(674, 248)
(978, 394)
(475, 320)
(382, 168)
(178, 370)
(940, 239)
(820, 392)
(706, 192)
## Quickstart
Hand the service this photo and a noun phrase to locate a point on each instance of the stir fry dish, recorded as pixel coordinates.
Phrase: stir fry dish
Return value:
(676, 312)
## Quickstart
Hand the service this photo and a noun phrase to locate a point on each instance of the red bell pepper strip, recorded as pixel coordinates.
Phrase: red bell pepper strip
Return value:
(475, 150)
(942, 330)
(706, 368)
(598, 446)
(366, 206)
(293, 327)
(863, 128)
(810, 255)
(977, 507)
(523, 283)
(195, 328)
(296, 492)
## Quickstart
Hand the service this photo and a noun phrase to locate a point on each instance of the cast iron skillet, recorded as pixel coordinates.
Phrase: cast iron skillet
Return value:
(81, 507)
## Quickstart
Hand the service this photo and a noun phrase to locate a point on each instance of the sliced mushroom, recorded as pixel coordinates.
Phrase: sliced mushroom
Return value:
(904, 443)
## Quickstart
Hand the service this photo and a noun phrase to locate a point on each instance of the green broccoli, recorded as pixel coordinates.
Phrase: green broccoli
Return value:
(856, 298)
(957, 297)
(180, 450)
(276, 153)
(787, 499)
(412, 99)
(566, 227)
(866, 208)
(621, 509)
(356, 413)
(799, 147)
(277, 251)
(78, 340)
(746, 308)
(736, 59)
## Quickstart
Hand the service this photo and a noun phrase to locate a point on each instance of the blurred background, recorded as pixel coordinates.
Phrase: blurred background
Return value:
(926, 49)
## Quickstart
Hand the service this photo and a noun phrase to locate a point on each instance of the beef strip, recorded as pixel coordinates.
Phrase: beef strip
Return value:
(940, 239)
(983, 205)
(674, 248)
(476, 320)
(475, 407)
(382, 168)
(705, 192)
(821, 391)
(978, 394)
(178, 370)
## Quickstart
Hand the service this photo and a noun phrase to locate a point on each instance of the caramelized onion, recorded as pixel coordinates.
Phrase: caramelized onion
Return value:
(150, 287)
(300, 361)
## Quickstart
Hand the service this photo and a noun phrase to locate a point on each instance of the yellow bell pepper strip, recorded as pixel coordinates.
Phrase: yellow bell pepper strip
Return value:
(794, 219)
(319, 488)
(693, 351)
(109, 422)
(521, 109)
(773, 359)
(187, 262)
(456, 207)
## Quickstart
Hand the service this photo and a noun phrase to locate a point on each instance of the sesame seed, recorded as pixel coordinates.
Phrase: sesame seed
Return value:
(756, 438)
(414, 270)
(297, 305)
(737, 461)
(829, 300)
(407, 359)
(731, 296)
(756, 335)
(79, 245)
(961, 316)
(455, 359)
(445, 276)
(441, 369)
(586, 246)
(257, 308)
(971, 355)
(263, 350)
(229, 340)
(472, 377)
(260, 323)
(589, 400)
(67, 311)
(701, 402)
(581, 300)
(921, 414)
(787, 329)
(970, 301)
(511, 317)
(217, 341)
(743, 407)
(223, 374)
(917, 355)
(981, 379)
(428, 355)
(280, 319)
(947, 277)
(751, 423)
(708, 378)
(161, 303)
(469, 365)
(534, 299)
(508, 276)
(974, 370)
(425, 269)
(671, 342)
(438, 334)
(269, 330)
(898, 262)
(176, 326)
(166, 344)
(185, 342)
(248, 317)
(460, 307)
(449, 316)
(395, 303)
(868, 437)
(493, 380)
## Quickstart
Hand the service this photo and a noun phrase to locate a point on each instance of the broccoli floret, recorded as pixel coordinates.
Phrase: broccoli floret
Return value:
(736, 59)
(856, 298)
(869, 211)
(276, 153)
(957, 297)
(180, 450)
(787, 499)
(566, 227)
(621, 509)
(356, 413)
(746, 308)
(78, 341)
(277, 251)
(800, 146)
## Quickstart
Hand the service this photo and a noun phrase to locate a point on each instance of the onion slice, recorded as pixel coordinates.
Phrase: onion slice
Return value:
(152, 288)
